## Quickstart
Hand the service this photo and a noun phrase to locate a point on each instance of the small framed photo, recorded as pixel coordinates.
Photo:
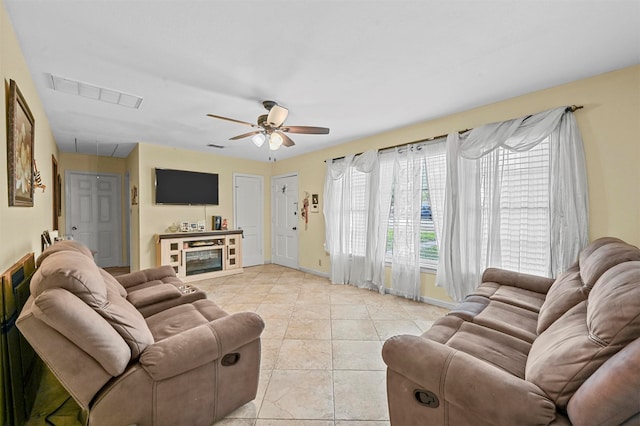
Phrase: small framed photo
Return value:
(201, 225)
(184, 226)
(193, 226)
(314, 203)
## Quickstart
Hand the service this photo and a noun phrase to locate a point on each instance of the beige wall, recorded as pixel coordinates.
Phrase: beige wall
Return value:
(20, 227)
(154, 219)
(609, 123)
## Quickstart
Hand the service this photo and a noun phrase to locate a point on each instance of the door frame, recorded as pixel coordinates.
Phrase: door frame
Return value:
(273, 194)
(261, 202)
(118, 216)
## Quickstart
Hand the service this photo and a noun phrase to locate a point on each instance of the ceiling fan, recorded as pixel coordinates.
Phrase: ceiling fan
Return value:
(270, 127)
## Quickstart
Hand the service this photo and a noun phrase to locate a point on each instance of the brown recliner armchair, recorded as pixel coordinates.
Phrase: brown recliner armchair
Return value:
(188, 364)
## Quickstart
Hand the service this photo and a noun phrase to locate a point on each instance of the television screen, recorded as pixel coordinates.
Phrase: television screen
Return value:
(184, 187)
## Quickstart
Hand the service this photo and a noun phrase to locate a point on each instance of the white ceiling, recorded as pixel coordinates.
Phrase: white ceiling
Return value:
(358, 67)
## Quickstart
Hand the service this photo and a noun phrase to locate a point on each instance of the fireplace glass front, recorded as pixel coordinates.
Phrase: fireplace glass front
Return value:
(203, 261)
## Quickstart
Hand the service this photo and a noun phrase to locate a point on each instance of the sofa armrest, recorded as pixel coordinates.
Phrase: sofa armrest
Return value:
(200, 345)
(461, 381)
(516, 279)
(152, 295)
(151, 274)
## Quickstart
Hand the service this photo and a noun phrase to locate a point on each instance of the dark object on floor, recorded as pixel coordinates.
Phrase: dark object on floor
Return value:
(20, 374)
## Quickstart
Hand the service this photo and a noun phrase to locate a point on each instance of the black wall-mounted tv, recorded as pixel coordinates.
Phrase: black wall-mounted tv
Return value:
(186, 188)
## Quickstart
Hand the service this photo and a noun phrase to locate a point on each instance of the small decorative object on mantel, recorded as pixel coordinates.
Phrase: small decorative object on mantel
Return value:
(224, 224)
(184, 226)
(217, 223)
(20, 127)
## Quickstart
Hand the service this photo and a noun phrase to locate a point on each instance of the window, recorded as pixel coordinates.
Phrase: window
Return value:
(433, 171)
(358, 213)
(522, 207)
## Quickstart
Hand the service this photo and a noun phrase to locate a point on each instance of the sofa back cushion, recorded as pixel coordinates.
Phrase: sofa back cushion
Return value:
(81, 325)
(581, 340)
(565, 293)
(573, 286)
(64, 245)
(79, 275)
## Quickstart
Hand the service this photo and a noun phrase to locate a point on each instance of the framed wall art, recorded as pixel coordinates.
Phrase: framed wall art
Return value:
(20, 138)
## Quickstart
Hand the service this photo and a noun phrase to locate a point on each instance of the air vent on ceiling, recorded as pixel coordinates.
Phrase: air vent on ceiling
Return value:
(79, 88)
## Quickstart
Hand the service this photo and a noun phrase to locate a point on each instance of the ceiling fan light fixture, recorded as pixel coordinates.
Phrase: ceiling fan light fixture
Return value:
(275, 141)
(258, 139)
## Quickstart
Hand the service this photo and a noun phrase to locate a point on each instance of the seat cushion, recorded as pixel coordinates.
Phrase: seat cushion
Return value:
(183, 317)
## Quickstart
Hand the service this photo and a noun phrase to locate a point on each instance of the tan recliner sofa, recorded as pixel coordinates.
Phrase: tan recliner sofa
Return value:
(527, 350)
(188, 364)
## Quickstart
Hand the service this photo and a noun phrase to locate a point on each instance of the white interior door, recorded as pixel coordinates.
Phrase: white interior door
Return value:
(284, 220)
(93, 214)
(248, 202)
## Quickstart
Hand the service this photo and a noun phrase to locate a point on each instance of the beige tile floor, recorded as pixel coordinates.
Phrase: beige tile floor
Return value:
(321, 350)
(321, 347)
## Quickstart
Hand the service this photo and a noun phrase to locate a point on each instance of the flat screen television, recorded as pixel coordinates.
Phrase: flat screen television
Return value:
(186, 188)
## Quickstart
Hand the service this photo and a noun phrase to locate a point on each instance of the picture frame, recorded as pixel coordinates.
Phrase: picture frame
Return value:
(20, 144)
(314, 203)
(184, 226)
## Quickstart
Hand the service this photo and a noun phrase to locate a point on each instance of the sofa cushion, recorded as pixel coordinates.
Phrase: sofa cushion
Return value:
(593, 265)
(72, 318)
(78, 274)
(64, 245)
(565, 293)
(112, 283)
(517, 296)
(152, 295)
(581, 340)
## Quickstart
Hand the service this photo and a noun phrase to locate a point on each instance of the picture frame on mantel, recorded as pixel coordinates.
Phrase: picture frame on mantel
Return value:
(20, 142)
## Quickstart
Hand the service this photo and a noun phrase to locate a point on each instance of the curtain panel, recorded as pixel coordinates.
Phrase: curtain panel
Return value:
(355, 221)
(470, 237)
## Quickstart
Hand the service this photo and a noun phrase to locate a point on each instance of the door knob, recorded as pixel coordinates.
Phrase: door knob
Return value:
(73, 228)
(295, 228)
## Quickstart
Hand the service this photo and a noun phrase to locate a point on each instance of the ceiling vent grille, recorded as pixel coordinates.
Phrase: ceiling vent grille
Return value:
(79, 88)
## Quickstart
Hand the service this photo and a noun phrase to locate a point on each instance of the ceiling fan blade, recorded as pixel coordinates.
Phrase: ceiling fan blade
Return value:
(232, 119)
(277, 115)
(245, 135)
(310, 130)
(286, 140)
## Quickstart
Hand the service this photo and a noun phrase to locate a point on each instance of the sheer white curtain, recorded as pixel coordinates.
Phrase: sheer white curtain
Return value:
(435, 153)
(407, 190)
(471, 228)
(352, 211)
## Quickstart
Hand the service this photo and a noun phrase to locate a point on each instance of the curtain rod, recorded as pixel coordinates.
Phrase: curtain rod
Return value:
(572, 108)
